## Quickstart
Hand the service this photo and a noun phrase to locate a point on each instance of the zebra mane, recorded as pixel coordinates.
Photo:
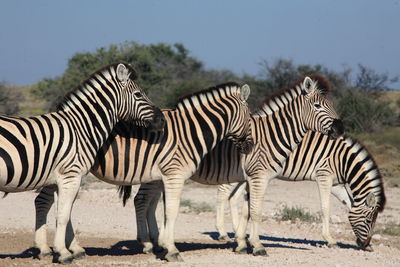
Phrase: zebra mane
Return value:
(68, 96)
(196, 94)
(376, 180)
(282, 97)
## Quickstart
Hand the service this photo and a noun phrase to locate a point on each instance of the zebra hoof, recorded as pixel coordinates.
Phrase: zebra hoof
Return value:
(223, 238)
(65, 260)
(173, 257)
(260, 252)
(79, 255)
(158, 249)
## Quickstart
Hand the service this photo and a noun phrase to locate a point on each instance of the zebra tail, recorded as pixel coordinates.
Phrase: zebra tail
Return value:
(124, 192)
(5, 194)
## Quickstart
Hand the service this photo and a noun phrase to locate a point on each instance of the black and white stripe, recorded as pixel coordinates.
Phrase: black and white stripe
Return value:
(60, 147)
(277, 128)
(197, 124)
(351, 173)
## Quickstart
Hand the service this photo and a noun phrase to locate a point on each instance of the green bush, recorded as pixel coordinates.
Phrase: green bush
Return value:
(362, 113)
(297, 213)
(9, 99)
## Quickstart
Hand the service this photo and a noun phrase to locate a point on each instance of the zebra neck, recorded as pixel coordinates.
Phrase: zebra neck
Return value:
(203, 123)
(361, 173)
(93, 114)
(285, 126)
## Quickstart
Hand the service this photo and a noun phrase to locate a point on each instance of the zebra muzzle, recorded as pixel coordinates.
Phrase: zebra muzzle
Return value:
(364, 245)
(337, 129)
(246, 146)
(158, 121)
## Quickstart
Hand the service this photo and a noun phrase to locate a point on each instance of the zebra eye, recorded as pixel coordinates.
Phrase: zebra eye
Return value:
(138, 94)
(316, 105)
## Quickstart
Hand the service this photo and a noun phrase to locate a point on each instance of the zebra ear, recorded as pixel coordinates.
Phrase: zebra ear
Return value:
(371, 200)
(244, 92)
(307, 87)
(122, 73)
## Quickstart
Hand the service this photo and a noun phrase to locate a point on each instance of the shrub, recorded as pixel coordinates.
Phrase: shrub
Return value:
(297, 213)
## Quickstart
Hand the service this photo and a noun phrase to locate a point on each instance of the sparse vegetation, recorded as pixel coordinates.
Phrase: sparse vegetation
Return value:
(196, 207)
(295, 214)
(390, 228)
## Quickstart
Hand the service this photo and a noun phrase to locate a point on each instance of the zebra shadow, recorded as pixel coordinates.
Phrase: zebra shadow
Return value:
(215, 235)
(121, 248)
(27, 253)
(314, 243)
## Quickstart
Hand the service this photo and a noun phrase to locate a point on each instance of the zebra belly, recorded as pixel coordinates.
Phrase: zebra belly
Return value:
(216, 179)
(137, 177)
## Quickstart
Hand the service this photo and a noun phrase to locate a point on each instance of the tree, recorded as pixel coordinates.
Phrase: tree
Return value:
(9, 99)
(164, 71)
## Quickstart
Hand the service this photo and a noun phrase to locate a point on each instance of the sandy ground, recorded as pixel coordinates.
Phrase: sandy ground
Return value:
(108, 231)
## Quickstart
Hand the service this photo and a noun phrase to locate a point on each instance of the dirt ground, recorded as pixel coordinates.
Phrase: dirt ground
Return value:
(108, 231)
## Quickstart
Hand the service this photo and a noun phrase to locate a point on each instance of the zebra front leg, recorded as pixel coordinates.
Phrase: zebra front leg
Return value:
(238, 191)
(257, 187)
(222, 197)
(72, 243)
(141, 202)
(172, 193)
(68, 188)
(240, 234)
(151, 216)
(147, 232)
(43, 203)
(324, 182)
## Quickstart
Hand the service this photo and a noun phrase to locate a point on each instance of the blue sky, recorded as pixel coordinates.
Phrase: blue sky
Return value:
(38, 37)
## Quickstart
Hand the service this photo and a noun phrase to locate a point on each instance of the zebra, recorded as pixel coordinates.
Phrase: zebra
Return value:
(58, 148)
(276, 128)
(133, 156)
(351, 175)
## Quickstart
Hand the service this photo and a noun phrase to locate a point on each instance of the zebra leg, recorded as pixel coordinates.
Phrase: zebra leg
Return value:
(173, 189)
(240, 234)
(238, 191)
(324, 182)
(68, 188)
(151, 215)
(222, 196)
(144, 218)
(340, 192)
(141, 205)
(43, 203)
(78, 252)
(257, 187)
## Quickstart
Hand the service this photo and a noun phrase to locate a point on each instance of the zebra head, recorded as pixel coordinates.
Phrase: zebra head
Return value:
(134, 104)
(239, 129)
(319, 114)
(362, 219)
